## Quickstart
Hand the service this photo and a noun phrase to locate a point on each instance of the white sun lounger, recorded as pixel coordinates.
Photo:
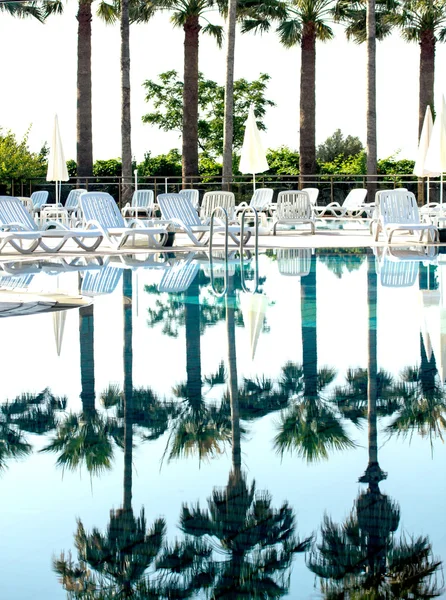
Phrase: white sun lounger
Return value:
(15, 220)
(141, 206)
(397, 210)
(180, 212)
(193, 196)
(101, 213)
(352, 207)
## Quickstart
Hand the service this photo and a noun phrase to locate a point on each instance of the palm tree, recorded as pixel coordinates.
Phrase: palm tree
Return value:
(306, 22)
(256, 541)
(367, 21)
(22, 10)
(423, 23)
(188, 15)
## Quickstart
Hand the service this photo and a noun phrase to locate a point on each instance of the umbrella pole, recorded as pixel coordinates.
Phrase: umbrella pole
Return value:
(254, 182)
(427, 195)
(441, 188)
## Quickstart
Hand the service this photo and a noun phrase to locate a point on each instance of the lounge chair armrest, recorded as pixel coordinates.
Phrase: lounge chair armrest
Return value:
(8, 226)
(56, 225)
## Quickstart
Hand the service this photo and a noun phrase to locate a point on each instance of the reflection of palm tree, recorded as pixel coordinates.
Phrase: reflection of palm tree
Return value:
(32, 413)
(310, 426)
(361, 558)
(86, 438)
(256, 540)
(120, 557)
(422, 402)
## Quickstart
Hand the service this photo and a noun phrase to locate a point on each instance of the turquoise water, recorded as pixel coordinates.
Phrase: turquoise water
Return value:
(219, 442)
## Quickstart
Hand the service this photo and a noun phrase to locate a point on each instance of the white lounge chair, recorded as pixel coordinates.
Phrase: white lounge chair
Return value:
(212, 200)
(15, 221)
(313, 193)
(193, 196)
(397, 210)
(180, 212)
(39, 200)
(293, 208)
(101, 213)
(72, 202)
(141, 206)
(352, 207)
(261, 200)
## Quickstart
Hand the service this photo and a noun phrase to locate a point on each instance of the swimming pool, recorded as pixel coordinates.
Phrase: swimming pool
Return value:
(180, 435)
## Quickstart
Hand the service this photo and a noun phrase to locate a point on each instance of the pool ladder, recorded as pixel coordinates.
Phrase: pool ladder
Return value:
(247, 209)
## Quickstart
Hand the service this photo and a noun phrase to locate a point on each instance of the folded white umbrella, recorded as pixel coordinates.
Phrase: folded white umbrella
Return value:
(59, 319)
(435, 161)
(253, 158)
(253, 309)
(57, 165)
(426, 133)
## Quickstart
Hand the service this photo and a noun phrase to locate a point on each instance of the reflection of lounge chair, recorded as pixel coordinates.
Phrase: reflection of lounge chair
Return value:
(397, 210)
(293, 208)
(101, 282)
(180, 275)
(141, 206)
(13, 282)
(398, 273)
(101, 213)
(183, 216)
(16, 219)
(295, 262)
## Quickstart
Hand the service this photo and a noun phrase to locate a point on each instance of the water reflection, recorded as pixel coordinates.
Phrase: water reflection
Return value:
(361, 557)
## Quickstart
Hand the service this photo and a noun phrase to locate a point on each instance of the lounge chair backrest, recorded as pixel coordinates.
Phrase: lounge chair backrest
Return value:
(178, 206)
(101, 207)
(397, 206)
(313, 193)
(142, 199)
(295, 262)
(193, 196)
(294, 204)
(262, 198)
(39, 198)
(72, 200)
(178, 277)
(212, 200)
(354, 198)
(13, 211)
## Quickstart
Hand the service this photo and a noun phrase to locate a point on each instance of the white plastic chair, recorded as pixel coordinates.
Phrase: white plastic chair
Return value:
(72, 202)
(397, 210)
(101, 213)
(16, 222)
(293, 208)
(39, 199)
(141, 206)
(180, 212)
(193, 196)
(352, 207)
(212, 200)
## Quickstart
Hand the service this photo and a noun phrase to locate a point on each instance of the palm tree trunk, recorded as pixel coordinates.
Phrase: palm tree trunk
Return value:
(190, 99)
(307, 144)
(84, 119)
(228, 126)
(127, 292)
(371, 100)
(426, 93)
(86, 342)
(372, 368)
(125, 105)
(233, 384)
(193, 348)
(309, 330)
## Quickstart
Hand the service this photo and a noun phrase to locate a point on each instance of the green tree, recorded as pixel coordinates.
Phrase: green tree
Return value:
(336, 145)
(166, 96)
(424, 23)
(16, 160)
(22, 10)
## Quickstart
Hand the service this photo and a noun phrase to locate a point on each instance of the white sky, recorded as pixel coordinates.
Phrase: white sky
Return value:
(38, 70)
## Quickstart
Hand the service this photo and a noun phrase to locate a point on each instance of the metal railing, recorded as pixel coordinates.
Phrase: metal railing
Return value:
(332, 188)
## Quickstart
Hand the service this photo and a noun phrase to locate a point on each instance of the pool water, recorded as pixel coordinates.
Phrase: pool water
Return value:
(200, 431)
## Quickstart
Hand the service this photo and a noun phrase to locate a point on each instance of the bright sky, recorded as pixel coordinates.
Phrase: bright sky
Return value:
(38, 71)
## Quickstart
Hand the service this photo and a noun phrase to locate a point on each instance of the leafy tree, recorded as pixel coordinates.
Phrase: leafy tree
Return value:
(22, 10)
(336, 145)
(283, 161)
(17, 161)
(166, 96)
(108, 168)
(167, 165)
